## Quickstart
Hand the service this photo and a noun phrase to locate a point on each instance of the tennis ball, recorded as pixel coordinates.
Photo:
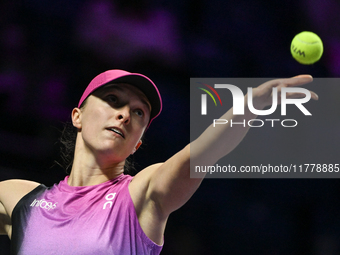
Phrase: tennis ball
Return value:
(306, 48)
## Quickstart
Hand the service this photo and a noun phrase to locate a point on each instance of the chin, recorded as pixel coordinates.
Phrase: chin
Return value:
(114, 154)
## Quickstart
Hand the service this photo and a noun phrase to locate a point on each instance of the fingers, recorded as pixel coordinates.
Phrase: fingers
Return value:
(314, 96)
(264, 91)
(292, 82)
(303, 76)
(299, 80)
(289, 82)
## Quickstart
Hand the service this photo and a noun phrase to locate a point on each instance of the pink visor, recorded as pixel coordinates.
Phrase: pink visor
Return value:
(138, 80)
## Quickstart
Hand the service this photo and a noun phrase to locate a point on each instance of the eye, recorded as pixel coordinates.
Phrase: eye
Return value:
(139, 112)
(112, 99)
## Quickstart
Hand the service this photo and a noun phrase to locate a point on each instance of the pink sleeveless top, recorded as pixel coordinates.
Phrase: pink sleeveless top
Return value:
(99, 219)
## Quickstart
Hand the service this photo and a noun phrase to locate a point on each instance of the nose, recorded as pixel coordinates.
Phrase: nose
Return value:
(123, 114)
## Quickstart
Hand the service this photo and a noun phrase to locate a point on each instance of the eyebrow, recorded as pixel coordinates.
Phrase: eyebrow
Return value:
(146, 103)
(142, 96)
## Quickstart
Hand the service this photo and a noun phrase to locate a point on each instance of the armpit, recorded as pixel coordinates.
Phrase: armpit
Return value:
(5, 222)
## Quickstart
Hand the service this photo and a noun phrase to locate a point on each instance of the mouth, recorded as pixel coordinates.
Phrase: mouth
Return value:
(117, 131)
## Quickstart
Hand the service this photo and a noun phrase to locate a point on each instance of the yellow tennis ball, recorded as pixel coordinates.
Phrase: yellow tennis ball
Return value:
(306, 47)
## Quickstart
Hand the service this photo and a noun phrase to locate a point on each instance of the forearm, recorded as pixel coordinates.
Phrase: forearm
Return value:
(220, 139)
(171, 184)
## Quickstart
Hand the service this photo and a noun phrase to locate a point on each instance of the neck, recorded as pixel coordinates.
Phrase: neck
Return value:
(93, 177)
(89, 169)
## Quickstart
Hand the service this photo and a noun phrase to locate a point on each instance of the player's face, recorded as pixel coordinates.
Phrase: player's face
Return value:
(114, 119)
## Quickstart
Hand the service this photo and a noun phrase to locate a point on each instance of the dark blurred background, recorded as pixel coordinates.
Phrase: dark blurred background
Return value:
(50, 50)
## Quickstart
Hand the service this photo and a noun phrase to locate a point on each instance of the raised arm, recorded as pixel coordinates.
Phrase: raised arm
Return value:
(165, 187)
(216, 142)
(172, 180)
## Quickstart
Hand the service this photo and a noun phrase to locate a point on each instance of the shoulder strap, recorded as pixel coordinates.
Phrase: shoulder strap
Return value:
(20, 215)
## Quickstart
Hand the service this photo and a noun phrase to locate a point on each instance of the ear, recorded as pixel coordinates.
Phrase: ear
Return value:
(76, 118)
(137, 146)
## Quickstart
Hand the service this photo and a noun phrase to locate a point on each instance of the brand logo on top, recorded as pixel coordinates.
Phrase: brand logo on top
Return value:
(109, 197)
(42, 203)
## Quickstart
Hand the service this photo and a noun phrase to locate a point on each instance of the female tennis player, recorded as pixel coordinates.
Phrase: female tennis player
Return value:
(98, 209)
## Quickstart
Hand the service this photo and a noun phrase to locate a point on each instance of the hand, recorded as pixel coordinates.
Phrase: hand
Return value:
(262, 95)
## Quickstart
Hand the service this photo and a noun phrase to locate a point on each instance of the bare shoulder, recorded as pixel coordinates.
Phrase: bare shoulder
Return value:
(11, 191)
(147, 172)
(152, 223)
(140, 183)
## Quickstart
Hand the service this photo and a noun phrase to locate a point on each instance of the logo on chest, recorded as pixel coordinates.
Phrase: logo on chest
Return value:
(42, 203)
(109, 197)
